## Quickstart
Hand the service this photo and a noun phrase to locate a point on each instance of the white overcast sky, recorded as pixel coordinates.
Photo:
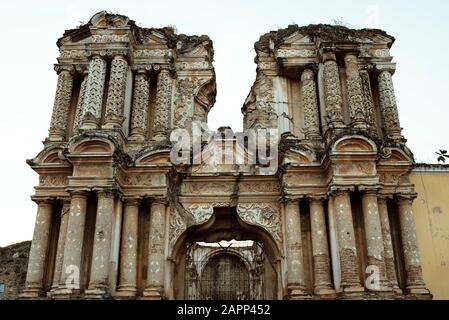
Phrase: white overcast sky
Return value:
(28, 51)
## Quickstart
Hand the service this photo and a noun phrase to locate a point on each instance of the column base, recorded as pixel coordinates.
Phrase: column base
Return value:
(31, 293)
(353, 291)
(159, 138)
(63, 293)
(126, 292)
(152, 294)
(418, 291)
(298, 293)
(325, 292)
(96, 293)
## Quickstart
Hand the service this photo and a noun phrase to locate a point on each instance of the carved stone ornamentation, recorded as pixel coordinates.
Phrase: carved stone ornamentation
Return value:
(184, 101)
(332, 93)
(265, 215)
(140, 106)
(116, 93)
(355, 92)
(201, 212)
(60, 115)
(79, 106)
(94, 93)
(310, 103)
(177, 226)
(161, 122)
(368, 99)
(388, 105)
(260, 103)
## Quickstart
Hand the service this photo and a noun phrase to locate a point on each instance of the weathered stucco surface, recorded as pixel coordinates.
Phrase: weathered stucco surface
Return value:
(119, 207)
(431, 210)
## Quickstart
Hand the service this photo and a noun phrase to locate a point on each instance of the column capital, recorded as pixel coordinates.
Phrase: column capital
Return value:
(293, 199)
(43, 201)
(132, 200)
(105, 192)
(60, 68)
(388, 67)
(316, 198)
(384, 196)
(78, 192)
(369, 189)
(308, 73)
(340, 190)
(406, 196)
(157, 200)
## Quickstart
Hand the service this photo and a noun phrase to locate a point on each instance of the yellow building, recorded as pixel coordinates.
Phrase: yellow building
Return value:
(431, 210)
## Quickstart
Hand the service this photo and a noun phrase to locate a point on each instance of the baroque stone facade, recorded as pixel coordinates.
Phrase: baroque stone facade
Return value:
(117, 218)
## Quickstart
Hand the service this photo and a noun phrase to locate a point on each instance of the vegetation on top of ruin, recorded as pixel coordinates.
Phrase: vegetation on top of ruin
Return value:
(334, 33)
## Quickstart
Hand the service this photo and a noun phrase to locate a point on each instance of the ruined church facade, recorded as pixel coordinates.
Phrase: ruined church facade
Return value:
(118, 219)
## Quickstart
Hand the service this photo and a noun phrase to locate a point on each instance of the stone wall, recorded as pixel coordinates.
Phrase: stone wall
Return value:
(13, 269)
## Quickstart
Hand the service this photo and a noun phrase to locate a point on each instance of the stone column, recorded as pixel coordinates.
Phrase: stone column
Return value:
(355, 91)
(414, 283)
(93, 98)
(161, 122)
(388, 244)
(332, 91)
(374, 239)
(368, 99)
(61, 107)
(116, 93)
(140, 106)
(320, 249)
(128, 251)
(99, 272)
(156, 256)
(388, 105)
(350, 279)
(61, 241)
(79, 105)
(295, 264)
(310, 103)
(69, 284)
(39, 248)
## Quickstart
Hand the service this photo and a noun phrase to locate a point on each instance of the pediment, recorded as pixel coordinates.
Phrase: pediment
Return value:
(154, 157)
(297, 39)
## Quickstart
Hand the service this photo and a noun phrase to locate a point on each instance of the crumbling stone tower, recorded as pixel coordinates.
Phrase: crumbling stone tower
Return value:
(116, 217)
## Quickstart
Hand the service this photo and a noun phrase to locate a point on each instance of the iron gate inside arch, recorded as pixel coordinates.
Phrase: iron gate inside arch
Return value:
(225, 277)
(225, 272)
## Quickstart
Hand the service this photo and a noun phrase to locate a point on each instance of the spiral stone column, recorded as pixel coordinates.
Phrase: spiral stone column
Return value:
(332, 91)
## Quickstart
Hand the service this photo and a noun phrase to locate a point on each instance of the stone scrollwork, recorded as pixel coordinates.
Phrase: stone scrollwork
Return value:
(332, 92)
(184, 101)
(355, 90)
(388, 104)
(310, 102)
(177, 226)
(201, 212)
(59, 119)
(162, 112)
(368, 98)
(116, 92)
(140, 105)
(265, 215)
(94, 90)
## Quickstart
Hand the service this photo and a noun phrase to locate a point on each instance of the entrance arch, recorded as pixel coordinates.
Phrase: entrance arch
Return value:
(262, 267)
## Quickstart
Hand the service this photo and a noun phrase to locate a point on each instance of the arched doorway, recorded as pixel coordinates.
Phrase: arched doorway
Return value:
(225, 277)
(202, 261)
